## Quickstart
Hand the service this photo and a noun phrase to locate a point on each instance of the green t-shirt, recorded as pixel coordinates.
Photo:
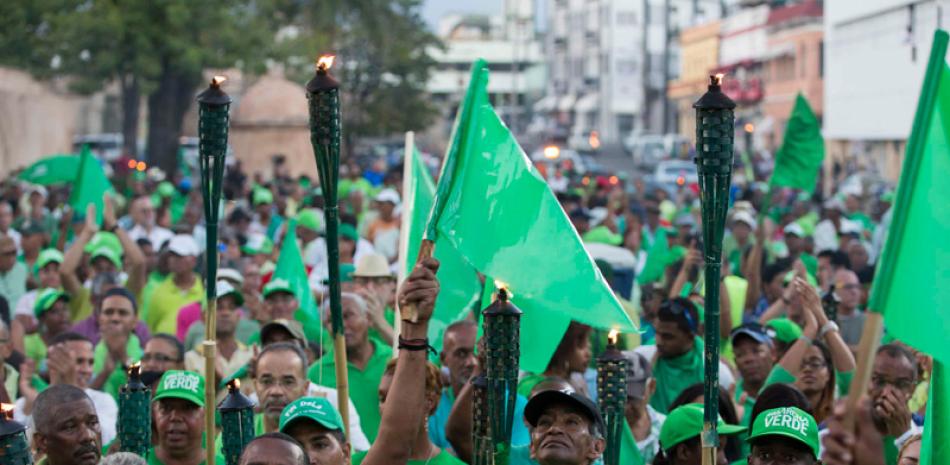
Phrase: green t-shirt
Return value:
(161, 311)
(444, 458)
(364, 384)
(153, 460)
(675, 374)
(133, 350)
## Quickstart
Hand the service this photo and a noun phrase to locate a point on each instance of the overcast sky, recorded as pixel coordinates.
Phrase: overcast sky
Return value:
(435, 9)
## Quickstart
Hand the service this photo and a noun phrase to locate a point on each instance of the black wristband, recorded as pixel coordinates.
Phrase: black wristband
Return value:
(416, 345)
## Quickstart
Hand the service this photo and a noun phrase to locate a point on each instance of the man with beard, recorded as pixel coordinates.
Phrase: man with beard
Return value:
(280, 379)
(366, 361)
(566, 429)
(179, 420)
(66, 427)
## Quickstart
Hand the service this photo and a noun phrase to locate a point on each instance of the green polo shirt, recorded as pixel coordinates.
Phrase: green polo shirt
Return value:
(161, 310)
(444, 458)
(364, 384)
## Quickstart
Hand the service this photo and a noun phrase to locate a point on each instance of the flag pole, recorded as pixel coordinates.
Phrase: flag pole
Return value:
(408, 197)
(873, 325)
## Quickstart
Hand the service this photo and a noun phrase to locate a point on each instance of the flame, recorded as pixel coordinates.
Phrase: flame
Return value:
(502, 286)
(135, 368)
(237, 383)
(325, 62)
(749, 127)
(551, 152)
(218, 80)
(612, 336)
(719, 77)
(6, 411)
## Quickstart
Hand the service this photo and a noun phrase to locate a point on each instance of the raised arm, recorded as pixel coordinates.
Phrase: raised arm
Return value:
(407, 394)
(73, 256)
(135, 259)
(752, 269)
(841, 356)
(792, 361)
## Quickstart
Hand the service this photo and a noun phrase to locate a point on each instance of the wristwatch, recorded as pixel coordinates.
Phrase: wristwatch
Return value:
(827, 328)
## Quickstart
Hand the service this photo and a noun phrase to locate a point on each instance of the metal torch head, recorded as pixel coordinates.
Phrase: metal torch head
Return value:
(235, 400)
(214, 95)
(8, 427)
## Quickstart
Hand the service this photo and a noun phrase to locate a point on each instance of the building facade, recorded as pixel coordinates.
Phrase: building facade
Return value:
(699, 54)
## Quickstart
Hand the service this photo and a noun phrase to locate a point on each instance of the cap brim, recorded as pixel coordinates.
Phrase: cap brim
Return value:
(760, 338)
(727, 429)
(237, 296)
(542, 400)
(285, 290)
(197, 400)
(783, 434)
(304, 417)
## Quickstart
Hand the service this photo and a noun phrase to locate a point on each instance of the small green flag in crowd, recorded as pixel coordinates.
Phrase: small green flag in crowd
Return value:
(498, 212)
(90, 184)
(798, 160)
(912, 283)
(54, 169)
(290, 268)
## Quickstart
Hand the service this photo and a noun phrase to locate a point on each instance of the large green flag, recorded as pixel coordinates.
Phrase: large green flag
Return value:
(459, 283)
(54, 169)
(912, 283)
(290, 267)
(90, 184)
(657, 256)
(798, 160)
(497, 211)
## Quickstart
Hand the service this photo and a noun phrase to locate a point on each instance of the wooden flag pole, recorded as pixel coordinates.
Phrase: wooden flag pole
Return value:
(870, 341)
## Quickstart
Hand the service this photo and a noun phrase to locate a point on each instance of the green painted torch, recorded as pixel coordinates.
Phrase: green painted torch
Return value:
(323, 96)
(612, 396)
(237, 422)
(715, 134)
(213, 118)
(481, 439)
(502, 322)
(135, 414)
(14, 449)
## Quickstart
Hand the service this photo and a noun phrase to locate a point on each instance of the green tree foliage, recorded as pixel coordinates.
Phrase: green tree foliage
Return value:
(158, 49)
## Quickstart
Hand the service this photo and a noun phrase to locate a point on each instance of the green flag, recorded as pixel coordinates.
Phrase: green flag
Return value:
(90, 184)
(459, 283)
(657, 257)
(798, 160)
(629, 452)
(54, 169)
(498, 212)
(290, 267)
(912, 284)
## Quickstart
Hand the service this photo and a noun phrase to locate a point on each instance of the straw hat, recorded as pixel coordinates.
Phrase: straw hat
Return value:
(372, 266)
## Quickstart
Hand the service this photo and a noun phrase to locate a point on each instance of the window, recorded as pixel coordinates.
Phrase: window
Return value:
(626, 18)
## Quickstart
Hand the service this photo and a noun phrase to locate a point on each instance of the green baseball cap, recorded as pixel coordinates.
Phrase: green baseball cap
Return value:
(224, 289)
(165, 189)
(180, 384)
(46, 298)
(262, 196)
(107, 253)
(686, 422)
(348, 231)
(277, 285)
(46, 257)
(103, 239)
(783, 330)
(316, 409)
(790, 422)
(310, 219)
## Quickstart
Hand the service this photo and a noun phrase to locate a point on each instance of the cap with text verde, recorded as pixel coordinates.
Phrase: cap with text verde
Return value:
(789, 422)
(686, 422)
(316, 409)
(180, 384)
(46, 298)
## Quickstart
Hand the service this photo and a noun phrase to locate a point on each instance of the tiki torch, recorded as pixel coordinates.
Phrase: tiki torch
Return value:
(323, 96)
(715, 131)
(135, 414)
(14, 450)
(237, 422)
(213, 106)
(612, 395)
(481, 439)
(502, 322)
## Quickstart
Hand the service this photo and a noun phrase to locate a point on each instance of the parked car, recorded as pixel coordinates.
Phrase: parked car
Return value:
(107, 147)
(552, 157)
(678, 172)
(649, 149)
(586, 142)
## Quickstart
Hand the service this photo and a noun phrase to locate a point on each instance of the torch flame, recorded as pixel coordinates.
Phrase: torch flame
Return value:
(134, 368)
(6, 411)
(236, 383)
(218, 80)
(502, 286)
(325, 62)
(718, 78)
(612, 336)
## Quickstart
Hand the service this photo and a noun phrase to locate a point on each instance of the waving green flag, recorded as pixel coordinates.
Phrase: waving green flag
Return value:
(459, 282)
(54, 169)
(657, 258)
(91, 183)
(912, 283)
(798, 160)
(290, 267)
(497, 211)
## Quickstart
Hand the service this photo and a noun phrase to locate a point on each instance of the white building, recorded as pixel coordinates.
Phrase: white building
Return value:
(875, 56)
(514, 57)
(609, 62)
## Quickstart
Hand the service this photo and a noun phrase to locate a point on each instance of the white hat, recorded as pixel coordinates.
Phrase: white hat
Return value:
(744, 217)
(231, 274)
(223, 287)
(183, 245)
(851, 227)
(834, 203)
(794, 228)
(388, 195)
(597, 216)
(37, 189)
(372, 265)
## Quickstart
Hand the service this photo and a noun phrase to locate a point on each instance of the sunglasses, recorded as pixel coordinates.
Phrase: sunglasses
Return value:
(677, 308)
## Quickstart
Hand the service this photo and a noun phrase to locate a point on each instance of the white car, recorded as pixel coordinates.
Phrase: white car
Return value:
(553, 158)
(679, 172)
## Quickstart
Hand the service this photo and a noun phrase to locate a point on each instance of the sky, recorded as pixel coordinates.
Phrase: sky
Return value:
(432, 10)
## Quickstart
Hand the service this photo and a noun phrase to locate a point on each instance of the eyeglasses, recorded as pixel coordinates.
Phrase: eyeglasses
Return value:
(161, 358)
(814, 364)
(879, 382)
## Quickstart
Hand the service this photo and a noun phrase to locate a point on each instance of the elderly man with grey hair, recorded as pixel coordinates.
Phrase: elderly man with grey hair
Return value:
(366, 362)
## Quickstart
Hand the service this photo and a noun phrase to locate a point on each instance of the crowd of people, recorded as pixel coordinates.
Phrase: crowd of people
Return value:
(85, 292)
